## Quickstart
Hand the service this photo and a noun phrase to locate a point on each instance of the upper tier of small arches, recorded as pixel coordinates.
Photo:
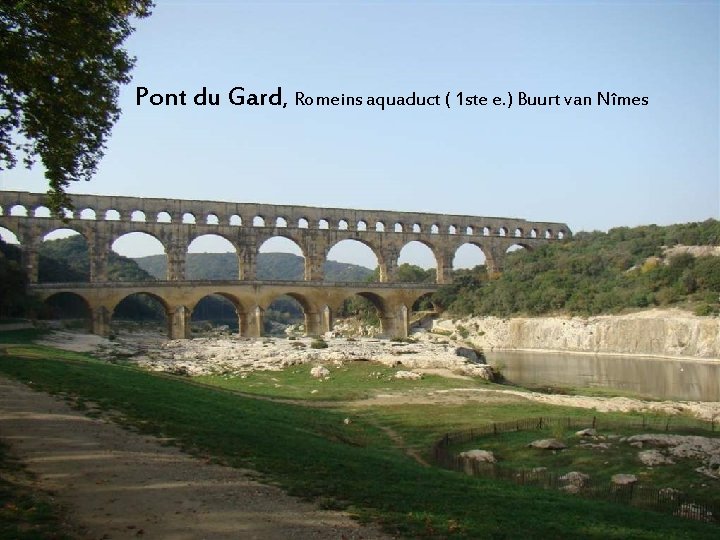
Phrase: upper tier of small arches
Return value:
(129, 209)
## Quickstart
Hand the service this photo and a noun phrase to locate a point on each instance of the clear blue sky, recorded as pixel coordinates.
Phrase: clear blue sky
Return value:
(591, 167)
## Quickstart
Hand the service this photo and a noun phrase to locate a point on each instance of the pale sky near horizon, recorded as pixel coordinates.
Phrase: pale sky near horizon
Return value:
(593, 167)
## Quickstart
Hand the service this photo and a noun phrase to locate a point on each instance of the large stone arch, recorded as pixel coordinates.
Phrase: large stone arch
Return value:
(73, 300)
(230, 246)
(240, 310)
(378, 301)
(488, 259)
(439, 252)
(288, 233)
(312, 311)
(15, 231)
(177, 327)
(376, 249)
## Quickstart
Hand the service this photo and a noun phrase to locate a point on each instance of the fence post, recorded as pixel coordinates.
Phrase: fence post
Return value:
(594, 421)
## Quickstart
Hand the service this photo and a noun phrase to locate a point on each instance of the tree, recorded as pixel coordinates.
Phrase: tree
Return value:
(61, 66)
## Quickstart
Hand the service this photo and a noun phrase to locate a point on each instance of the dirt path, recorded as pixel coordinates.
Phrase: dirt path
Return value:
(116, 484)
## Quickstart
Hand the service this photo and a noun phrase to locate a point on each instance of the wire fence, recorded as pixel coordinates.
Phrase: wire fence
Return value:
(667, 500)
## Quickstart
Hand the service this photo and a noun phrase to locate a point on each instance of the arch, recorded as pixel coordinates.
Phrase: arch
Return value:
(469, 230)
(137, 215)
(280, 222)
(303, 223)
(343, 225)
(68, 214)
(469, 255)
(18, 210)
(188, 218)
(434, 228)
(548, 233)
(87, 213)
(361, 225)
(164, 217)
(423, 303)
(560, 235)
(365, 313)
(219, 309)
(416, 228)
(533, 233)
(147, 250)
(323, 224)
(211, 243)
(286, 310)
(70, 308)
(140, 308)
(8, 236)
(380, 226)
(418, 254)
(211, 257)
(235, 220)
(398, 227)
(352, 252)
(517, 247)
(452, 229)
(258, 221)
(486, 231)
(63, 256)
(112, 215)
(518, 233)
(502, 231)
(61, 233)
(281, 258)
(212, 219)
(42, 211)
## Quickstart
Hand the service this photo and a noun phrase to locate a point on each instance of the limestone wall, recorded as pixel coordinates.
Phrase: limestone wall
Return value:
(669, 332)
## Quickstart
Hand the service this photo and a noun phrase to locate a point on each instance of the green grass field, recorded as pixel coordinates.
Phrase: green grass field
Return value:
(312, 453)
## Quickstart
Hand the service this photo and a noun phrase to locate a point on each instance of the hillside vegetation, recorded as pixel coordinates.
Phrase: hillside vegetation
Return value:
(596, 273)
(271, 266)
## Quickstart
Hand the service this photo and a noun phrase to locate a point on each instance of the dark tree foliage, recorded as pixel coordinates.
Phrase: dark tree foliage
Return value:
(14, 301)
(595, 273)
(61, 66)
(407, 273)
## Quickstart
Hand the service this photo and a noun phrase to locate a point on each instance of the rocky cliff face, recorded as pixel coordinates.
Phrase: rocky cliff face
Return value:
(673, 333)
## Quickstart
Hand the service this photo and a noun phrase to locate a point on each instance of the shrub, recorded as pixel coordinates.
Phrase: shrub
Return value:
(318, 344)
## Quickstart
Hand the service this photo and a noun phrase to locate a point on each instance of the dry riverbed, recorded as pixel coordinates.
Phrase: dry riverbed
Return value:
(231, 355)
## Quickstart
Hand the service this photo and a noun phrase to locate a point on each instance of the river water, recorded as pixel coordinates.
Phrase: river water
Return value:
(659, 378)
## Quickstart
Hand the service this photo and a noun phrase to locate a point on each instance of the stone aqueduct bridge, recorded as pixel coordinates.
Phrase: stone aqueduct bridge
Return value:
(176, 223)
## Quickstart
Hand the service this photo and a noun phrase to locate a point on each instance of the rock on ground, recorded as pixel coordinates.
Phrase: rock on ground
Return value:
(547, 444)
(623, 479)
(482, 456)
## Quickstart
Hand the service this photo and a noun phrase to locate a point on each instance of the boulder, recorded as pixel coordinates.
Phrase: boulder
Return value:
(547, 444)
(482, 456)
(654, 457)
(587, 432)
(575, 478)
(470, 354)
(623, 479)
(320, 372)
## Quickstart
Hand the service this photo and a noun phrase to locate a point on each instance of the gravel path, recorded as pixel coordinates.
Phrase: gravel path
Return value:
(116, 484)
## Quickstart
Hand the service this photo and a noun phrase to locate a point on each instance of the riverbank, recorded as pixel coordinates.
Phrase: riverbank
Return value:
(234, 356)
(662, 333)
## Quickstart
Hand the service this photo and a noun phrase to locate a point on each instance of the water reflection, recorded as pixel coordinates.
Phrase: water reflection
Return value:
(652, 377)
